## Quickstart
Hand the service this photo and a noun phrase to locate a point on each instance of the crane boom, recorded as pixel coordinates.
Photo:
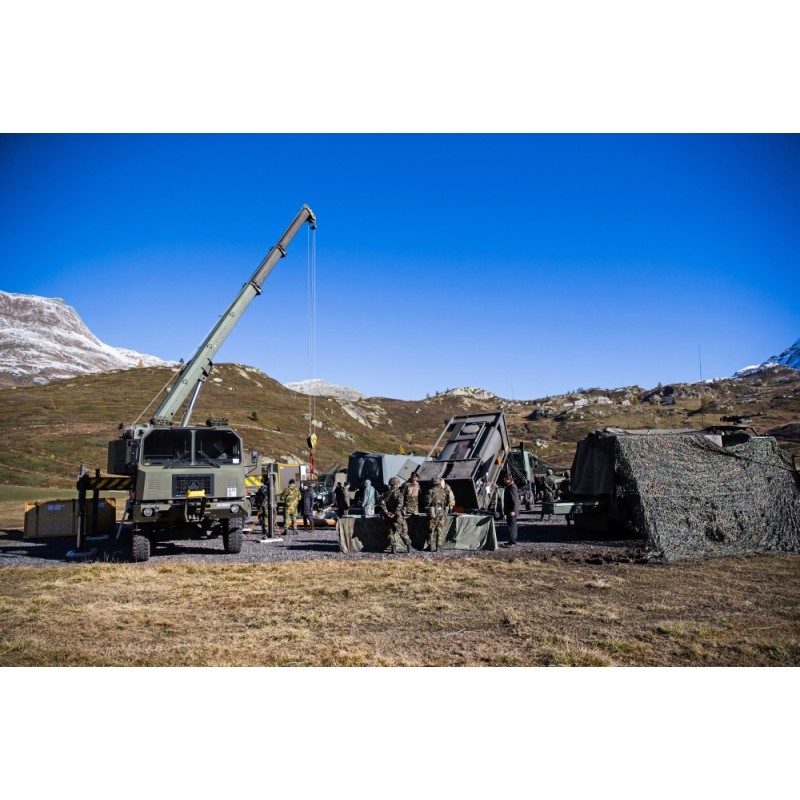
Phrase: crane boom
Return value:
(199, 366)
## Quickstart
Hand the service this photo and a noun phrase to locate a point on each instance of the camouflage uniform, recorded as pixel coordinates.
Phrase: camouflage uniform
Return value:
(550, 488)
(391, 506)
(549, 491)
(290, 497)
(411, 497)
(450, 498)
(262, 510)
(438, 501)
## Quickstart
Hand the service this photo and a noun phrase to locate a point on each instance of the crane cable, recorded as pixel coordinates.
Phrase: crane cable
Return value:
(158, 394)
(312, 340)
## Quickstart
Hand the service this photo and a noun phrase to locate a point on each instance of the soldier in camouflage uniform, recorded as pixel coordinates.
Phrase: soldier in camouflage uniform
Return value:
(391, 507)
(438, 501)
(290, 497)
(549, 491)
(261, 508)
(411, 495)
(550, 487)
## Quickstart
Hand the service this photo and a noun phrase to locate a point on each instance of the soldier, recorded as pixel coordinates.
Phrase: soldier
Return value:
(565, 493)
(549, 492)
(391, 506)
(511, 509)
(438, 502)
(340, 497)
(450, 497)
(307, 505)
(290, 497)
(261, 507)
(411, 495)
(550, 487)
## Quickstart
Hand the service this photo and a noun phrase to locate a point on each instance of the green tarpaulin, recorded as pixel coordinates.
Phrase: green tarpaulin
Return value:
(463, 532)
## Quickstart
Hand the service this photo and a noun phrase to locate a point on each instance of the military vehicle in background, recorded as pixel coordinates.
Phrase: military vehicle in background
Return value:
(521, 465)
(285, 472)
(190, 481)
(471, 460)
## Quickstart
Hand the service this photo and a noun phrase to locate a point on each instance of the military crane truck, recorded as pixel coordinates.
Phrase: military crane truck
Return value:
(189, 481)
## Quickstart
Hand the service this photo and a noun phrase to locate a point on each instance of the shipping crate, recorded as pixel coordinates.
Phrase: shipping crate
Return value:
(60, 518)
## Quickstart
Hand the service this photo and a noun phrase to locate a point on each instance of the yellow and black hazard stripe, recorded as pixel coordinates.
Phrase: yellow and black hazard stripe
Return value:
(253, 482)
(112, 484)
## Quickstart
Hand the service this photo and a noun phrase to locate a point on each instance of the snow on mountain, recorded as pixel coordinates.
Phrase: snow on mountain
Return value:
(318, 386)
(43, 339)
(790, 357)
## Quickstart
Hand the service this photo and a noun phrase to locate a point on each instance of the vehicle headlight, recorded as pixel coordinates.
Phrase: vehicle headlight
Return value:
(235, 508)
(147, 512)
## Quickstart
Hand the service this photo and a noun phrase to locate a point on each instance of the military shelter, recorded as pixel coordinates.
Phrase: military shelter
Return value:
(378, 468)
(691, 493)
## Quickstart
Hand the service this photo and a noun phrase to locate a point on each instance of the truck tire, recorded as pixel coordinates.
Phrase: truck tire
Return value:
(232, 536)
(140, 547)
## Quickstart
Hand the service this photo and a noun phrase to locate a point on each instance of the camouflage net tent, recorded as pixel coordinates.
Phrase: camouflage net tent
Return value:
(691, 494)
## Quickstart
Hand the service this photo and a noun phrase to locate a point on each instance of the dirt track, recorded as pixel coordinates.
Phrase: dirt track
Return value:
(543, 539)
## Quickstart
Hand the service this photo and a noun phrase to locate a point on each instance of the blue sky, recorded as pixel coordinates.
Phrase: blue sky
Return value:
(523, 264)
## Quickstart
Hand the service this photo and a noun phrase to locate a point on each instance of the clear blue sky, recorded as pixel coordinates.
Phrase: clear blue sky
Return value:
(523, 264)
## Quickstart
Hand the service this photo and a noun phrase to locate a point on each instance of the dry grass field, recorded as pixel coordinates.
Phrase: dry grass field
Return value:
(495, 610)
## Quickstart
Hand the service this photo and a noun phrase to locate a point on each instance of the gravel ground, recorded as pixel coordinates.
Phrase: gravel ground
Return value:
(543, 539)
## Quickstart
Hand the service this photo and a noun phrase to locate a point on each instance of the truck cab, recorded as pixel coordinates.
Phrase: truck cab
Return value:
(184, 476)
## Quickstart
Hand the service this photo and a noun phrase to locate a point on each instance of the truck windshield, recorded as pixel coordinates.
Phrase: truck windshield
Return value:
(167, 447)
(220, 447)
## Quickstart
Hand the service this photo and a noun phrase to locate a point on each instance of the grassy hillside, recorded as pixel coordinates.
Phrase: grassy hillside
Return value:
(47, 431)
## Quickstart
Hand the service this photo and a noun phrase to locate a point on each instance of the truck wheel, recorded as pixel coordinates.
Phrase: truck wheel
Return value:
(232, 536)
(140, 547)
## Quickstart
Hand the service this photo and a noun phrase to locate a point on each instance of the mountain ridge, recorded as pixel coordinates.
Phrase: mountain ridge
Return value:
(790, 357)
(43, 339)
(48, 430)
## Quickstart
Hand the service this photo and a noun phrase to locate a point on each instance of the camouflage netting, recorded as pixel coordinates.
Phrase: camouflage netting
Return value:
(693, 498)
